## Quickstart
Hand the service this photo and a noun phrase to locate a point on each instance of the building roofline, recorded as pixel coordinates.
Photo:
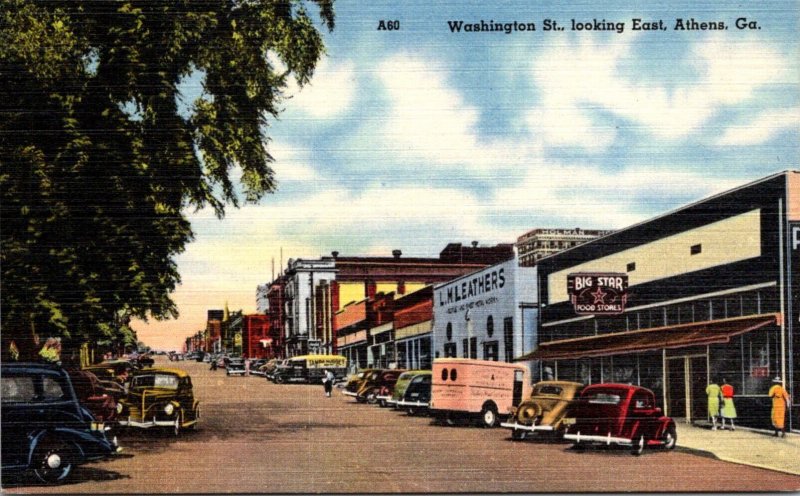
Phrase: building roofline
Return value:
(674, 211)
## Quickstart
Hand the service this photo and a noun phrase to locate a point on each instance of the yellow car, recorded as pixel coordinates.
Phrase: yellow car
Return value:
(545, 409)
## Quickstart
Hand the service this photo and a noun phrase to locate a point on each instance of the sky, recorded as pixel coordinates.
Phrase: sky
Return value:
(417, 137)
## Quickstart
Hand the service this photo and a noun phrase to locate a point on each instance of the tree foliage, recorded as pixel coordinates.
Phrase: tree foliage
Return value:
(101, 154)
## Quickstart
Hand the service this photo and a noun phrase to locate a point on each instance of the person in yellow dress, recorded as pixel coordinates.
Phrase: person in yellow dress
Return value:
(713, 392)
(780, 403)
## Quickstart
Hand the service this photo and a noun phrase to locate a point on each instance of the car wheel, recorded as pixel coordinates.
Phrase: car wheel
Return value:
(638, 446)
(176, 427)
(412, 411)
(489, 416)
(279, 380)
(372, 398)
(670, 438)
(518, 435)
(53, 461)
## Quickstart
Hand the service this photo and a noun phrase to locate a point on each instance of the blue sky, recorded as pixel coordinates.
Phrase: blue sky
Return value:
(418, 137)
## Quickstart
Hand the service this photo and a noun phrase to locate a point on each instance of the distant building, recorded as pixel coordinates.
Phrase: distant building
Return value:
(256, 339)
(538, 243)
(262, 298)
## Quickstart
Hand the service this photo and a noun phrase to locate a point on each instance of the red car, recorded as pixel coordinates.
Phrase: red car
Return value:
(619, 414)
(93, 395)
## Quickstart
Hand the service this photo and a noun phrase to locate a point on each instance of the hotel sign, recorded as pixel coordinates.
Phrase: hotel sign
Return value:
(598, 293)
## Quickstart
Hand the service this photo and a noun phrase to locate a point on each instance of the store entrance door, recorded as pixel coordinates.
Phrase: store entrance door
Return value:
(687, 377)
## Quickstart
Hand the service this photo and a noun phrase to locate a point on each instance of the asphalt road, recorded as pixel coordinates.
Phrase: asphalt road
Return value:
(255, 436)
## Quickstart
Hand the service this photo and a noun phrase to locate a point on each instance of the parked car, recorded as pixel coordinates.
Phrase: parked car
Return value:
(145, 360)
(544, 411)
(310, 368)
(45, 428)
(118, 371)
(413, 391)
(619, 414)
(160, 397)
(255, 366)
(466, 389)
(271, 367)
(93, 395)
(355, 381)
(234, 366)
(381, 382)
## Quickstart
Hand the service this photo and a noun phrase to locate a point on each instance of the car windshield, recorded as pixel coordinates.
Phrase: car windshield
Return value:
(603, 398)
(156, 380)
(24, 389)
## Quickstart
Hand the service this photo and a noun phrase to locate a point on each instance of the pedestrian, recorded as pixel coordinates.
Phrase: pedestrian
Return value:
(728, 411)
(213, 363)
(714, 393)
(780, 403)
(327, 382)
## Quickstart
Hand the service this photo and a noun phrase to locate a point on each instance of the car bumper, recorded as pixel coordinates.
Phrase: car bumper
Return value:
(608, 439)
(381, 397)
(349, 393)
(235, 372)
(530, 428)
(420, 404)
(146, 424)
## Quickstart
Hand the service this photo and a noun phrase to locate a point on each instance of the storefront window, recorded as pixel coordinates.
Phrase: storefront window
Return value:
(650, 373)
(425, 361)
(568, 370)
(748, 362)
(401, 355)
(624, 369)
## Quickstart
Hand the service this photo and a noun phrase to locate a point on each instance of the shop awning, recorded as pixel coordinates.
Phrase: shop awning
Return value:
(677, 336)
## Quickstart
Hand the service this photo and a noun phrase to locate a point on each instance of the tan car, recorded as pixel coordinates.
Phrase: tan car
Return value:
(545, 409)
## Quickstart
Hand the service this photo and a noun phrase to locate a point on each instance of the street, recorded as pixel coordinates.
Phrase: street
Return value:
(255, 436)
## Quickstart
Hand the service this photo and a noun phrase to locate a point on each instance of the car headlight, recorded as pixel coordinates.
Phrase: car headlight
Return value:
(119, 407)
(169, 409)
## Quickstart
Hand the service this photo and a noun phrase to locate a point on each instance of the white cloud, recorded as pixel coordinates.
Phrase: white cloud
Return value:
(330, 92)
(579, 81)
(592, 197)
(762, 128)
(430, 121)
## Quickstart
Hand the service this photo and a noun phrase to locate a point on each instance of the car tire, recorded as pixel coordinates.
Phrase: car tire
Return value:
(412, 411)
(372, 397)
(279, 380)
(489, 416)
(518, 435)
(638, 446)
(176, 428)
(53, 461)
(670, 438)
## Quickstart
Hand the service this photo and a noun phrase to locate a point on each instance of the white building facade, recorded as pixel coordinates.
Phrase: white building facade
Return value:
(303, 275)
(490, 314)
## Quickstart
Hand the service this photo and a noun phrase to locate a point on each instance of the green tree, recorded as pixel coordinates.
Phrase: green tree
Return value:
(101, 155)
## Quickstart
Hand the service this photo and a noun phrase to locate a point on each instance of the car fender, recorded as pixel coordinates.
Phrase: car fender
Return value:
(664, 423)
(71, 436)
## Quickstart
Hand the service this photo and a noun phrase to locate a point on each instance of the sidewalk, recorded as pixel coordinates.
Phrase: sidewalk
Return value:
(745, 446)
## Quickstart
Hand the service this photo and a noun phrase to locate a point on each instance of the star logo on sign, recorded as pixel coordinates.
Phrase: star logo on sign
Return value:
(599, 296)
